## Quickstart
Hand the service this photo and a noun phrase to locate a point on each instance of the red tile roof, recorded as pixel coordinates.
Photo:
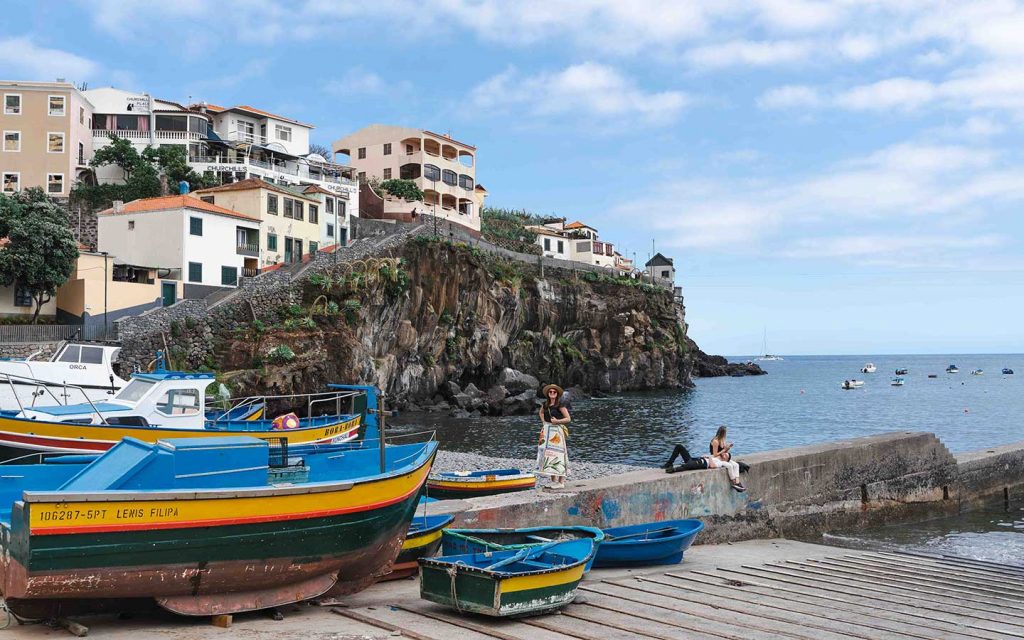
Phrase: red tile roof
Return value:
(252, 183)
(578, 225)
(175, 202)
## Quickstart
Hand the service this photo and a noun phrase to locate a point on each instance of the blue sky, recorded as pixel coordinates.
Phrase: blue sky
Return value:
(847, 175)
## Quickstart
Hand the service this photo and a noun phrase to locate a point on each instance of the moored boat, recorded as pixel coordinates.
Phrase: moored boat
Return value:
(461, 541)
(901, 372)
(869, 368)
(421, 541)
(1007, 371)
(516, 582)
(952, 369)
(77, 372)
(168, 404)
(897, 382)
(852, 384)
(205, 525)
(469, 484)
(652, 543)
(933, 375)
(977, 372)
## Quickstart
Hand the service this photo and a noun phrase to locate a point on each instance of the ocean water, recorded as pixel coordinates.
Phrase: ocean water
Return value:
(799, 402)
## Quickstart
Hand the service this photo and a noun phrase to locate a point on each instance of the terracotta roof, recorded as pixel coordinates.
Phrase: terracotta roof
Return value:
(216, 108)
(255, 183)
(315, 188)
(175, 202)
(578, 225)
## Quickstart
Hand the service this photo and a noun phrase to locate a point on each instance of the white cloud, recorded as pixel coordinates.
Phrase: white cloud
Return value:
(588, 89)
(859, 47)
(21, 58)
(789, 96)
(748, 53)
(894, 93)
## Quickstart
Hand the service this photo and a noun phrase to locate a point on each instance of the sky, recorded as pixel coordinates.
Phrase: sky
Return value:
(845, 177)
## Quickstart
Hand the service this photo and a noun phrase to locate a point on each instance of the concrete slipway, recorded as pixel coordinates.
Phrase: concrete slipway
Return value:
(771, 589)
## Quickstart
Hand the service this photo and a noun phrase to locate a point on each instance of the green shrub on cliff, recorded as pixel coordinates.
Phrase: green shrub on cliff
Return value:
(281, 354)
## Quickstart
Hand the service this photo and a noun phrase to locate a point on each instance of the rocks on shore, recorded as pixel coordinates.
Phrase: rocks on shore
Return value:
(706, 366)
(514, 393)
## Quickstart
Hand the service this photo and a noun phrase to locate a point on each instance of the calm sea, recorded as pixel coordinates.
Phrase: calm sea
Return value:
(797, 403)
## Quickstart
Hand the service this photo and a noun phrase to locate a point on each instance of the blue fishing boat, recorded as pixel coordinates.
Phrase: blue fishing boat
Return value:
(652, 543)
(516, 582)
(204, 525)
(470, 484)
(460, 541)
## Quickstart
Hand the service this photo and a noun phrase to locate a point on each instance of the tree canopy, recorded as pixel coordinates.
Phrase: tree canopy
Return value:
(405, 189)
(41, 251)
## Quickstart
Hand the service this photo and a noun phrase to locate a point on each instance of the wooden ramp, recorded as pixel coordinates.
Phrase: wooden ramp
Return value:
(844, 594)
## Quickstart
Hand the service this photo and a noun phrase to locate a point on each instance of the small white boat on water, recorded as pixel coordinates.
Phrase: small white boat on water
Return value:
(869, 368)
(77, 372)
(977, 372)
(952, 369)
(765, 356)
(897, 382)
(852, 384)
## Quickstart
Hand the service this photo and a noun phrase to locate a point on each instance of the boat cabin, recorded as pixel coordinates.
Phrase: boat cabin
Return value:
(169, 399)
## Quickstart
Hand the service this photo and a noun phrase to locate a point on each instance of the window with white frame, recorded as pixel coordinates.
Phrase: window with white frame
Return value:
(57, 105)
(12, 141)
(11, 181)
(55, 142)
(12, 104)
(283, 133)
(55, 183)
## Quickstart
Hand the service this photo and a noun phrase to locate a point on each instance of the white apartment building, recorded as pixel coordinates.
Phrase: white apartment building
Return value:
(204, 245)
(442, 167)
(575, 241)
(235, 143)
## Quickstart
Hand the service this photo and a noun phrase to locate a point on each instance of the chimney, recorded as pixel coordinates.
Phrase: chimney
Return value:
(118, 206)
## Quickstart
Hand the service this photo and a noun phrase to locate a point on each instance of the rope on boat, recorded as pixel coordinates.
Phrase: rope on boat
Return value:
(453, 570)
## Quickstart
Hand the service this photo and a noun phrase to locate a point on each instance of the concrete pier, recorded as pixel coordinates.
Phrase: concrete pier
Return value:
(776, 589)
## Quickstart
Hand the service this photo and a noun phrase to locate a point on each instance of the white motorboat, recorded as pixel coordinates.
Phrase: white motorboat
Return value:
(952, 369)
(897, 382)
(869, 368)
(852, 384)
(977, 372)
(77, 372)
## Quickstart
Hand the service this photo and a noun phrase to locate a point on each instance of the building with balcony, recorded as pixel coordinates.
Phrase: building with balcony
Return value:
(246, 142)
(443, 168)
(204, 246)
(291, 219)
(574, 241)
(47, 140)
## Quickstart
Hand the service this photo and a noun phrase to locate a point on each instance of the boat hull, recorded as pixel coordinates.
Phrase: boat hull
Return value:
(221, 554)
(495, 596)
(462, 541)
(20, 437)
(632, 550)
(419, 544)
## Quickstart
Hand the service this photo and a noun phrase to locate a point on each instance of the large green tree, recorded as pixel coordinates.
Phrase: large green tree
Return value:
(40, 253)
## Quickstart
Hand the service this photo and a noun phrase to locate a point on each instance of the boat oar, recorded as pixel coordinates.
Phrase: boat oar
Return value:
(610, 538)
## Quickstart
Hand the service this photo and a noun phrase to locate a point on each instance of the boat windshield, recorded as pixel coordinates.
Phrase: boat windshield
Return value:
(134, 390)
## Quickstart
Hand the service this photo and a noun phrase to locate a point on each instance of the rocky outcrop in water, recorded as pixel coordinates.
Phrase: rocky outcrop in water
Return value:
(706, 366)
(440, 325)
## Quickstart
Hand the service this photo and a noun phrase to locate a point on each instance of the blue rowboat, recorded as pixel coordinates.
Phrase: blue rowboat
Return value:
(422, 540)
(652, 543)
(459, 541)
(516, 582)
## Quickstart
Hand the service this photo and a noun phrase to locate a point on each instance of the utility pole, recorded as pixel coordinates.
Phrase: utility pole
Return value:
(104, 254)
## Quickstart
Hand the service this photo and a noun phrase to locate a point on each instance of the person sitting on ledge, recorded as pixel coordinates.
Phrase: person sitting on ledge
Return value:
(706, 462)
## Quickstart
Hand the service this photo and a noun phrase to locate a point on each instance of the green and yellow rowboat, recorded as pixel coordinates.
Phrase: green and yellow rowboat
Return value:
(507, 583)
(204, 526)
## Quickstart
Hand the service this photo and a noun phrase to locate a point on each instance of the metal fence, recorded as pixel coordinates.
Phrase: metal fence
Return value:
(12, 333)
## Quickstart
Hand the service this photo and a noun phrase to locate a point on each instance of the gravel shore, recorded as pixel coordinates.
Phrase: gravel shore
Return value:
(456, 461)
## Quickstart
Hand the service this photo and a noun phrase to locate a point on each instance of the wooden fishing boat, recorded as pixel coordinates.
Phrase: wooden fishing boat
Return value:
(652, 543)
(421, 541)
(205, 525)
(470, 484)
(461, 541)
(516, 582)
(166, 404)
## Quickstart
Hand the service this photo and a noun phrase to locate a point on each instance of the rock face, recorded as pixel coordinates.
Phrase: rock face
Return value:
(706, 366)
(439, 323)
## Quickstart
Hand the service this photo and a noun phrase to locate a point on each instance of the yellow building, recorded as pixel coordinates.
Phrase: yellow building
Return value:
(291, 219)
(46, 130)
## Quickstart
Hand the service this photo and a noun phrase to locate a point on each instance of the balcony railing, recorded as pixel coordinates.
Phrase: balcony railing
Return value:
(159, 134)
(251, 250)
(298, 170)
(239, 136)
(250, 272)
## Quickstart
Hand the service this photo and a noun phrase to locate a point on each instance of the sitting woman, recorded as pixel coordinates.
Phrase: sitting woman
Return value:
(719, 458)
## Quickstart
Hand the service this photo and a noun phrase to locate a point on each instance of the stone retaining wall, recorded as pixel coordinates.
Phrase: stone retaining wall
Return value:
(794, 493)
(25, 349)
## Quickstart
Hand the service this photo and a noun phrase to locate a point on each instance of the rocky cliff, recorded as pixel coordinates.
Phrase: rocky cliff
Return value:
(440, 322)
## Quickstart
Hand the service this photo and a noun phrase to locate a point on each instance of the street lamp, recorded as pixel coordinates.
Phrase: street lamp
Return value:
(104, 254)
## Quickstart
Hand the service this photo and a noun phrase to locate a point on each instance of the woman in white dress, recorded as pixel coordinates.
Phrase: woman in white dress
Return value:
(553, 454)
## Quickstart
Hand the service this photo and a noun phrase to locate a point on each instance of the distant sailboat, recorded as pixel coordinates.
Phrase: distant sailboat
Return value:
(764, 350)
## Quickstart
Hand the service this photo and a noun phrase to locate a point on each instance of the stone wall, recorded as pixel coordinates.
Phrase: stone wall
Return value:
(25, 349)
(794, 493)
